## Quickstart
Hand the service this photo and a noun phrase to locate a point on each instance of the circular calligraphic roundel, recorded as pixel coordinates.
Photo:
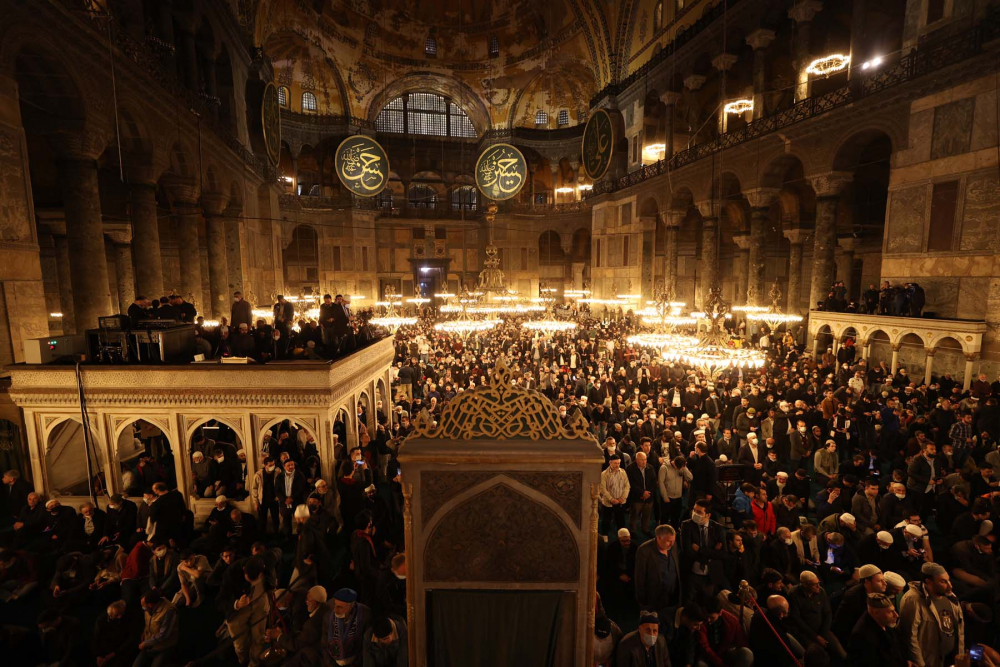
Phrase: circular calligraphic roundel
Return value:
(270, 122)
(362, 165)
(501, 171)
(598, 143)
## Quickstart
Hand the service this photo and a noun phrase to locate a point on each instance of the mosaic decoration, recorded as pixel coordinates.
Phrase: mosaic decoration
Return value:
(361, 79)
(501, 172)
(501, 411)
(362, 165)
(643, 24)
(598, 143)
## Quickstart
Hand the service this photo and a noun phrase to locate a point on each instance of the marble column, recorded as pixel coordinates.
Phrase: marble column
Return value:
(803, 13)
(189, 252)
(146, 240)
(741, 267)
(235, 246)
(555, 179)
(970, 361)
(828, 187)
(929, 364)
(65, 285)
(895, 359)
(673, 225)
(670, 100)
(759, 40)
(709, 249)
(760, 209)
(125, 278)
(723, 62)
(795, 237)
(845, 266)
(85, 236)
(213, 204)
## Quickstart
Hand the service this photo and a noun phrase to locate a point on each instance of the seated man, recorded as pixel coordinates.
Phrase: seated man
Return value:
(721, 640)
(810, 616)
(192, 573)
(30, 521)
(203, 473)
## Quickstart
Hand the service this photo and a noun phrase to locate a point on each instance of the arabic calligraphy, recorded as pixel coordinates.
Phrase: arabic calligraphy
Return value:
(270, 118)
(597, 144)
(501, 172)
(362, 165)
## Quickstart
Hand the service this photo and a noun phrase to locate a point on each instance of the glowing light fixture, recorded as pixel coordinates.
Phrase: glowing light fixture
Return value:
(738, 106)
(56, 315)
(444, 295)
(564, 190)
(263, 313)
(654, 151)
(357, 297)
(418, 300)
(210, 324)
(873, 63)
(393, 323)
(466, 327)
(829, 65)
(585, 186)
(551, 326)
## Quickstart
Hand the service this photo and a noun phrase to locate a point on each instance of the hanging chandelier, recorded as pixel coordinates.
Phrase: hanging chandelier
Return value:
(751, 305)
(773, 317)
(465, 327)
(549, 325)
(714, 352)
(390, 319)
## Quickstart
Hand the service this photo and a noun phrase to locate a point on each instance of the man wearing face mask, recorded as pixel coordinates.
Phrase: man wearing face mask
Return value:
(644, 647)
(874, 640)
(703, 542)
(263, 493)
(385, 642)
(607, 634)
(163, 569)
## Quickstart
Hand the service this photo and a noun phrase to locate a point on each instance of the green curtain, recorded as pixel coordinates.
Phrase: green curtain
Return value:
(497, 628)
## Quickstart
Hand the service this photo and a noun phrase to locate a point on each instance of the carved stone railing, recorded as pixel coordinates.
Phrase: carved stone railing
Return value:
(928, 59)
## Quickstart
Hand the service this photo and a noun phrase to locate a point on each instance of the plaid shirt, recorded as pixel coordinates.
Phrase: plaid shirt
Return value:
(958, 434)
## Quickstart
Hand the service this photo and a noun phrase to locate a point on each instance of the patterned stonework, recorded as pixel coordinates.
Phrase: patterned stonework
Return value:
(907, 210)
(486, 539)
(13, 200)
(981, 212)
(437, 487)
(501, 411)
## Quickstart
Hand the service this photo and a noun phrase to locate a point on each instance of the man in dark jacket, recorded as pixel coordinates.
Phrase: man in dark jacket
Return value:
(644, 647)
(703, 544)
(241, 312)
(119, 520)
(16, 491)
(642, 483)
(768, 647)
(874, 641)
(116, 636)
(290, 490)
(658, 572)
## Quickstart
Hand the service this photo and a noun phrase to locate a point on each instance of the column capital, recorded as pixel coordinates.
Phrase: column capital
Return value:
(831, 183)
(708, 208)
(848, 243)
(724, 61)
(213, 203)
(85, 145)
(761, 197)
(796, 236)
(760, 38)
(804, 11)
(120, 236)
(742, 241)
(673, 219)
(896, 347)
(183, 190)
(930, 351)
(694, 82)
(971, 356)
(670, 98)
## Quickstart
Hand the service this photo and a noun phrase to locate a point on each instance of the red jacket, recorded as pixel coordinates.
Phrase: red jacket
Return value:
(732, 637)
(764, 516)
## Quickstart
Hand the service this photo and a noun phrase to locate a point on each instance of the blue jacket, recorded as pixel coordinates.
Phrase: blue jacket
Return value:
(741, 503)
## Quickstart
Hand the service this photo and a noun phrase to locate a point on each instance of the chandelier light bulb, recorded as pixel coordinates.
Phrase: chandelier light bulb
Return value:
(829, 65)
(739, 106)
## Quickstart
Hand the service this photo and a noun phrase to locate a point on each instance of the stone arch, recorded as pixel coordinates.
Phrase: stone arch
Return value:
(580, 245)
(50, 87)
(911, 353)
(502, 546)
(682, 198)
(824, 337)
(63, 451)
(235, 423)
(298, 423)
(847, 156)
(650, 206)
(181, 162)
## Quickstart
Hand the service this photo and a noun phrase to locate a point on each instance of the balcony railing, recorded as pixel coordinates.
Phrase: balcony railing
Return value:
(929, 58)
(326, 120)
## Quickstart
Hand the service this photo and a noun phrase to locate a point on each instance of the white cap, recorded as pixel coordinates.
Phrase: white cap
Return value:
(848, 519)
(894, 580)
(221, 499)
(915, 531)
(884, 536)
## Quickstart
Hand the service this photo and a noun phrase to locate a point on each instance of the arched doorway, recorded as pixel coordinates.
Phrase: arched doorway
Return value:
(290, 439)
(218, 443)
(144, 456)
(66, 461)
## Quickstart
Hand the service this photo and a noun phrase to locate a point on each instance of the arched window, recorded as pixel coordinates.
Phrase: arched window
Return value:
(541, 118)
(283, 96)
(563, 118)
(384, 200)
(494, 46)
(425, 113)
(465, 197)
(308, 102)
(431, 47)
(422, 196)
(658, 15)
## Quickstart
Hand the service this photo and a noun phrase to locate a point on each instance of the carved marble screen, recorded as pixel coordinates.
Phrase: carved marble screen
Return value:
(501, 522)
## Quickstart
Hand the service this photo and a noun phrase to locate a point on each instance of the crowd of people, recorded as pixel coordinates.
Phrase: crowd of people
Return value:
(812, 512)
(906, 300)
(334, 331)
